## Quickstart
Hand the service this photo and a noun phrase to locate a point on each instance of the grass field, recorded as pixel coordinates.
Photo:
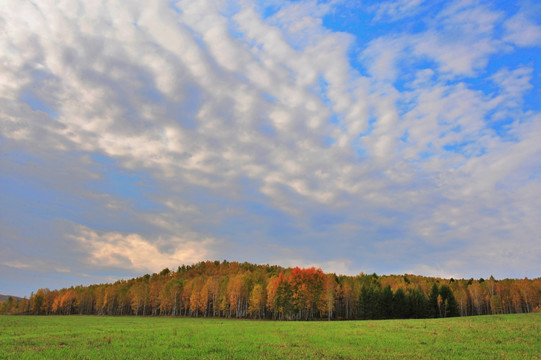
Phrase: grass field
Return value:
(93, 337)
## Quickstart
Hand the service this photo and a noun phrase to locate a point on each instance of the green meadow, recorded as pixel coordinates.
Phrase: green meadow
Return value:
(95, 337)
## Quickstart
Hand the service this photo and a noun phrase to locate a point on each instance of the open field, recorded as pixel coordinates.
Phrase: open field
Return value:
(93, 337)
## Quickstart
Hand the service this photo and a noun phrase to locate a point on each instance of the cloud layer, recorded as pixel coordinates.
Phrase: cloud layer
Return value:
(145, 134)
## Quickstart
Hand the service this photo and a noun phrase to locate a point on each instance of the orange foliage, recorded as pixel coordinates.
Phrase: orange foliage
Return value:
(242, 290)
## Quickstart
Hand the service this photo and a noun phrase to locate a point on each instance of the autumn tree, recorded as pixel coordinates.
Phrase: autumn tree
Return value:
(283, 297)
(232, 289)
(139, 294)
(257, 301)
(330, 291)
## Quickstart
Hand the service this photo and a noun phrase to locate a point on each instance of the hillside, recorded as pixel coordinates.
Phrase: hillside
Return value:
(244, 290)
(6, 298)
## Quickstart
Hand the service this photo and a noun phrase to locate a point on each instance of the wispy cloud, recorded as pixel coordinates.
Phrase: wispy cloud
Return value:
(16, 264)
(522, 31)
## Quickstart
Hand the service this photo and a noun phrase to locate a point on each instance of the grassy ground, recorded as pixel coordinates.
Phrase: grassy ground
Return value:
(92, 337)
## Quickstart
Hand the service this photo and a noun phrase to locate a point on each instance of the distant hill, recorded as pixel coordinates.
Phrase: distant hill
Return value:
(6, 297)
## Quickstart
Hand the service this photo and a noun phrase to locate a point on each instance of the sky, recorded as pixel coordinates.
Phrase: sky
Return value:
(394, 137)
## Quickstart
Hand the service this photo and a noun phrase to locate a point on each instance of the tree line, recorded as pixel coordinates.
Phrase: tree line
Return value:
(244, 290)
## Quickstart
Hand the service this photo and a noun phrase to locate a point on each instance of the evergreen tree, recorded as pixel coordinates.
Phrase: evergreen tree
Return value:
(450, 307)
(386, 303)
(433, 304)
(417, 304)
(400, 305)
(362, 305)
(370, 303)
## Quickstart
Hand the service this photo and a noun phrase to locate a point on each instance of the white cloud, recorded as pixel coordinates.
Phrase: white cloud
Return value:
(133, 252)
(513, 85)
(436, 271)
(382, 55)
(213, 97)
(103, 106)
(521, 31)
(397, 9)
(460, 39)
(17, 264)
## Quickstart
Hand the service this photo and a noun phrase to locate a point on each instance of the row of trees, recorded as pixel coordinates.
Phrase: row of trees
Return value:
(231, 289)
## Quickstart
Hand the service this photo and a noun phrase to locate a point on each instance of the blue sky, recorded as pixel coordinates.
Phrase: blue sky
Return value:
(389, 137)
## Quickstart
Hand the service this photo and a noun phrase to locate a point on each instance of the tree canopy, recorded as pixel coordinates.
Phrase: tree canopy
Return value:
(244, 290)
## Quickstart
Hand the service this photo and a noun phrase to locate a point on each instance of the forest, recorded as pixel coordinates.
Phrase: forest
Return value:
(248, 291)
